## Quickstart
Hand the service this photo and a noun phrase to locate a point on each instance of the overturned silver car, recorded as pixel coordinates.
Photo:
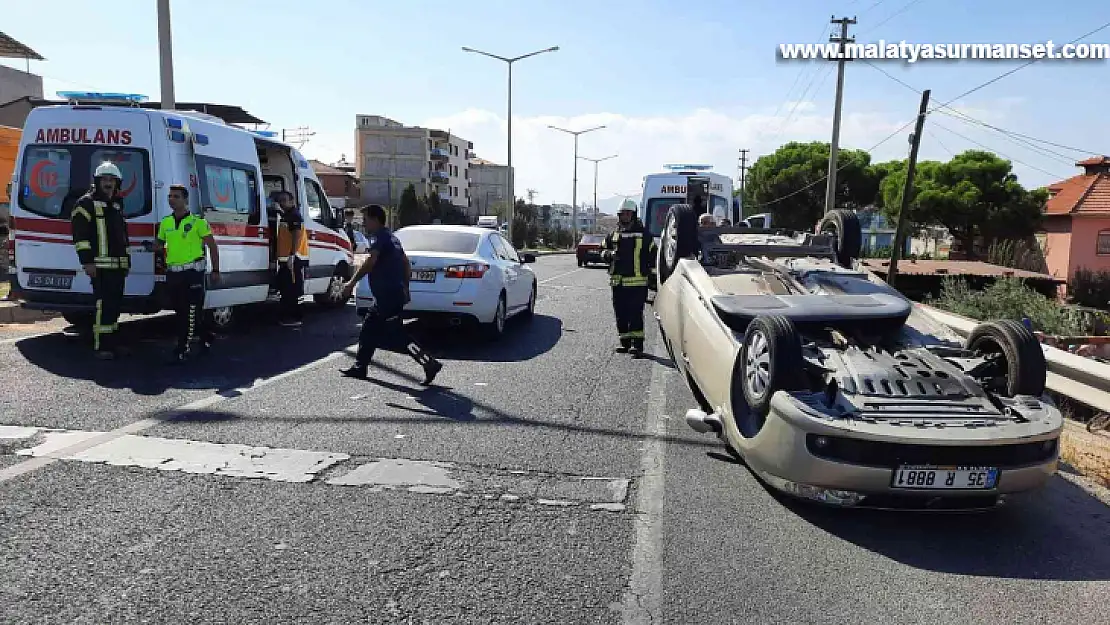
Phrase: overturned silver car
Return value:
(833, 387)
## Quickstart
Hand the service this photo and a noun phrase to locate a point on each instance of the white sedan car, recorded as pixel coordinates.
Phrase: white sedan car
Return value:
(462, 274)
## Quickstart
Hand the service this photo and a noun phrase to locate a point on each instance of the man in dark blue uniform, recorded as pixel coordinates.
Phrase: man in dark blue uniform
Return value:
(389, 271)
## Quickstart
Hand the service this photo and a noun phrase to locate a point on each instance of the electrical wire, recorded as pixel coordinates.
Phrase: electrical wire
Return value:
(939, 142)
(1021, 139)
(1006, 156)
(905, 8)
(838, 169)
(1019, 67)
(782, 124)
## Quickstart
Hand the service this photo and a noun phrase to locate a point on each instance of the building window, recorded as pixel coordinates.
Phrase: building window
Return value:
(1104, 243)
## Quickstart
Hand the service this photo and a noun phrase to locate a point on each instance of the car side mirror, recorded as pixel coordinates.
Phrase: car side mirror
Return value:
(527, 258)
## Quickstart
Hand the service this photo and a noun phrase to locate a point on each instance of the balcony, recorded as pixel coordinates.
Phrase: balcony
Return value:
(440, 154)
(441, 135)
(439, 176)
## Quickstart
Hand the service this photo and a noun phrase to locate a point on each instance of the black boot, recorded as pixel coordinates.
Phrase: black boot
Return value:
(430, 371)
(356, 371)
(624, 347)
(637, 349)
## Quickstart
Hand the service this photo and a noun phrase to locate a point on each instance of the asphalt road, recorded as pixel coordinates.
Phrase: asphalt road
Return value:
(543, 479)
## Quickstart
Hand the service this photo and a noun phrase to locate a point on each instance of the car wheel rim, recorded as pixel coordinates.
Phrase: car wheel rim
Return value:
(757, 365)
(830, 230)
(335, 289)
(221, 316)
(670, 245)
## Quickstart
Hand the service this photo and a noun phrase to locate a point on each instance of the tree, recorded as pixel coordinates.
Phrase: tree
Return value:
(790, 183)
(974, 195)
(409, 210)
(434, 207)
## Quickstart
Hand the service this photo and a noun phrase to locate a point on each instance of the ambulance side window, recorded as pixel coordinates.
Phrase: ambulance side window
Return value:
(228, 190)
(318, 209)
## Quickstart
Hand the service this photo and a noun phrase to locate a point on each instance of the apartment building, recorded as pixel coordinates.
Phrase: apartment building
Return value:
(489, 185)
(562, 216)
(392, 156)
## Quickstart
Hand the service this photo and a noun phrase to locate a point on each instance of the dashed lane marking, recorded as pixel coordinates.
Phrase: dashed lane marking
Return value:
(320, 467)
(95, 439)
(562, 275)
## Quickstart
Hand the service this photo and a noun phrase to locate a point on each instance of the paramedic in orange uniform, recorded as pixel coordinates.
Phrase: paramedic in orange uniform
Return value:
(292, 253)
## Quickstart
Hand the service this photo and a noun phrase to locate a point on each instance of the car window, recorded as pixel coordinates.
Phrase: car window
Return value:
(498, 246)
(510, 251)
(317, 205)
(431, 240)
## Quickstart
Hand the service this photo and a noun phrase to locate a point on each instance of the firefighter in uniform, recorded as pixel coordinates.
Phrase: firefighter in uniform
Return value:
(292, 254)
(630, 251)
(184, 236)
(100, 238)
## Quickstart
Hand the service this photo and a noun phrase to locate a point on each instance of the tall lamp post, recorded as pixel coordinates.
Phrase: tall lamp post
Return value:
(574, 190)
(509, 61)
(165, 55)
(595, 161)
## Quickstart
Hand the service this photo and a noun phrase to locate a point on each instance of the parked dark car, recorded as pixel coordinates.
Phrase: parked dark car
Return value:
(589, 249)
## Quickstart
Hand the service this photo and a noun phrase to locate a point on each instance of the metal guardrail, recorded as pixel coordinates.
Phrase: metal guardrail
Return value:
(1082, 379)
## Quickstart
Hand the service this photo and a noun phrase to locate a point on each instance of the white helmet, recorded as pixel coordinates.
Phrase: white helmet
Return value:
(108, 168)
(628, 205)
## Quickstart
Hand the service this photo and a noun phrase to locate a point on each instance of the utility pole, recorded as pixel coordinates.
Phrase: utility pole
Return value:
(531, 193)
(834, 147)
(595, 161)
(574, 188)
(736, 216)
(907, 191)
(165, 55)
(297, 135)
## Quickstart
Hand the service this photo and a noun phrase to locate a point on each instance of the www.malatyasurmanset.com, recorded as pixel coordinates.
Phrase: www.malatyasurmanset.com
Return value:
(913, 52)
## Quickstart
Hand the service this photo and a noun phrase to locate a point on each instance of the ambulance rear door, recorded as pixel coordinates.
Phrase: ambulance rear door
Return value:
(61, 148)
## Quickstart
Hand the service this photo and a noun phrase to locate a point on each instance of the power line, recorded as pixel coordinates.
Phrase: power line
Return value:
(823, 178)
(939, 142)
(868, 9)
(1009, 134)
(817, 70)
(893, 15)
(1019, 67)
(987, 147)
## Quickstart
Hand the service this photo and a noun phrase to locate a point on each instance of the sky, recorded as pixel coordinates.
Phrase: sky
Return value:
(671, 84)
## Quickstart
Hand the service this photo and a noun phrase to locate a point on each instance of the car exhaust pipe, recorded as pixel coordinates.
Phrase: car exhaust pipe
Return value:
(703, 423)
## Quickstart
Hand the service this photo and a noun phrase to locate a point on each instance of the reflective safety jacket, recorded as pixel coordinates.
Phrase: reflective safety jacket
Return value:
(632, 253)
(100, 232)
(292, 237)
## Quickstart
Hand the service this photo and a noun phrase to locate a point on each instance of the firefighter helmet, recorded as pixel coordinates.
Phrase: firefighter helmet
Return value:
(628, 205)
(108, 168)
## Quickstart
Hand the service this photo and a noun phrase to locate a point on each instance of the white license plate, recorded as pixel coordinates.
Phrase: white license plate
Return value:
(423, 276)
(945, 478)
(60, 282)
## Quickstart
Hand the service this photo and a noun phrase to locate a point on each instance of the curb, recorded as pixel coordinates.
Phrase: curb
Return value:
(548, 252)
(12, 312)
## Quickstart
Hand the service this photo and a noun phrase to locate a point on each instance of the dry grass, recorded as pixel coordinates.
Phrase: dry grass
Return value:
(1088, 453)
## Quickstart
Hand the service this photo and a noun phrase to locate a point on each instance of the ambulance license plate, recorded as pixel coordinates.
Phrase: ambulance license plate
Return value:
(945, 478)
(57, 281)
(423, 276)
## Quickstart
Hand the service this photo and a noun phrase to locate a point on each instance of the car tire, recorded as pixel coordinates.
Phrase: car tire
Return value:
(333, 297)
(496, 328)
(770, 360)
(530, 311)
(844, 227)
(221, 319)
(1024, 361)
(679, 239)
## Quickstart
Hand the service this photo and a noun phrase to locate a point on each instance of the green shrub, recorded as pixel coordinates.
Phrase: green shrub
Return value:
(1007, 298)
(1090, 288)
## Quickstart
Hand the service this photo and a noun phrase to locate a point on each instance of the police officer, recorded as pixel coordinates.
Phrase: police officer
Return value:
(100, 238)
(389, 271)
(184, 237)
(630, 251)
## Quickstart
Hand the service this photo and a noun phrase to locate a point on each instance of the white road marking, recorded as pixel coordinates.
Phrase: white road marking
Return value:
(545, 281)
(99, 438)
(643, 598)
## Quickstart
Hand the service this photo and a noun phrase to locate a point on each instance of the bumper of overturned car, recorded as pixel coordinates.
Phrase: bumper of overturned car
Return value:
(838, 465)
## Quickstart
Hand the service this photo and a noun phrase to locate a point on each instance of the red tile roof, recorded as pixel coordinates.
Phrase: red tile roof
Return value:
(1086, 193)
(324, 168)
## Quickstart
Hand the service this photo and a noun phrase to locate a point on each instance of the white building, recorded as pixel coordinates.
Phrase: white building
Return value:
(489, 186)
(392, 156)
(562, 216)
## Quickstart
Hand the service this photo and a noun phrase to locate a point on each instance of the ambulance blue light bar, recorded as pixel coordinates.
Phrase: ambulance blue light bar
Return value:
(132, 98)
(175, 123)
(200, 139)
(176, 136)
(673, 167)
(265, 133)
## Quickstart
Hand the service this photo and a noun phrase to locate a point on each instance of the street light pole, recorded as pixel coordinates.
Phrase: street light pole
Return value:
(165, 55)
(574, 190)
(509, 61)
(595, 161)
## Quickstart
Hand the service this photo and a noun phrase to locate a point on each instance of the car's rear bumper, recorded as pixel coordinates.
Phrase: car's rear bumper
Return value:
(589, 256)
(791, 458)
(467, 305)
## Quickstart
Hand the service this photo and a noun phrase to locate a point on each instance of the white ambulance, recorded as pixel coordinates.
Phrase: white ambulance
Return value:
(661, 191)
(232, 174)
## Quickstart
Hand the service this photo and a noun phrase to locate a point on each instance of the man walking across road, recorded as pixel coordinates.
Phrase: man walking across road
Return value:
(389, 271)
(100, 239)
(184, 237)
(630, 251)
